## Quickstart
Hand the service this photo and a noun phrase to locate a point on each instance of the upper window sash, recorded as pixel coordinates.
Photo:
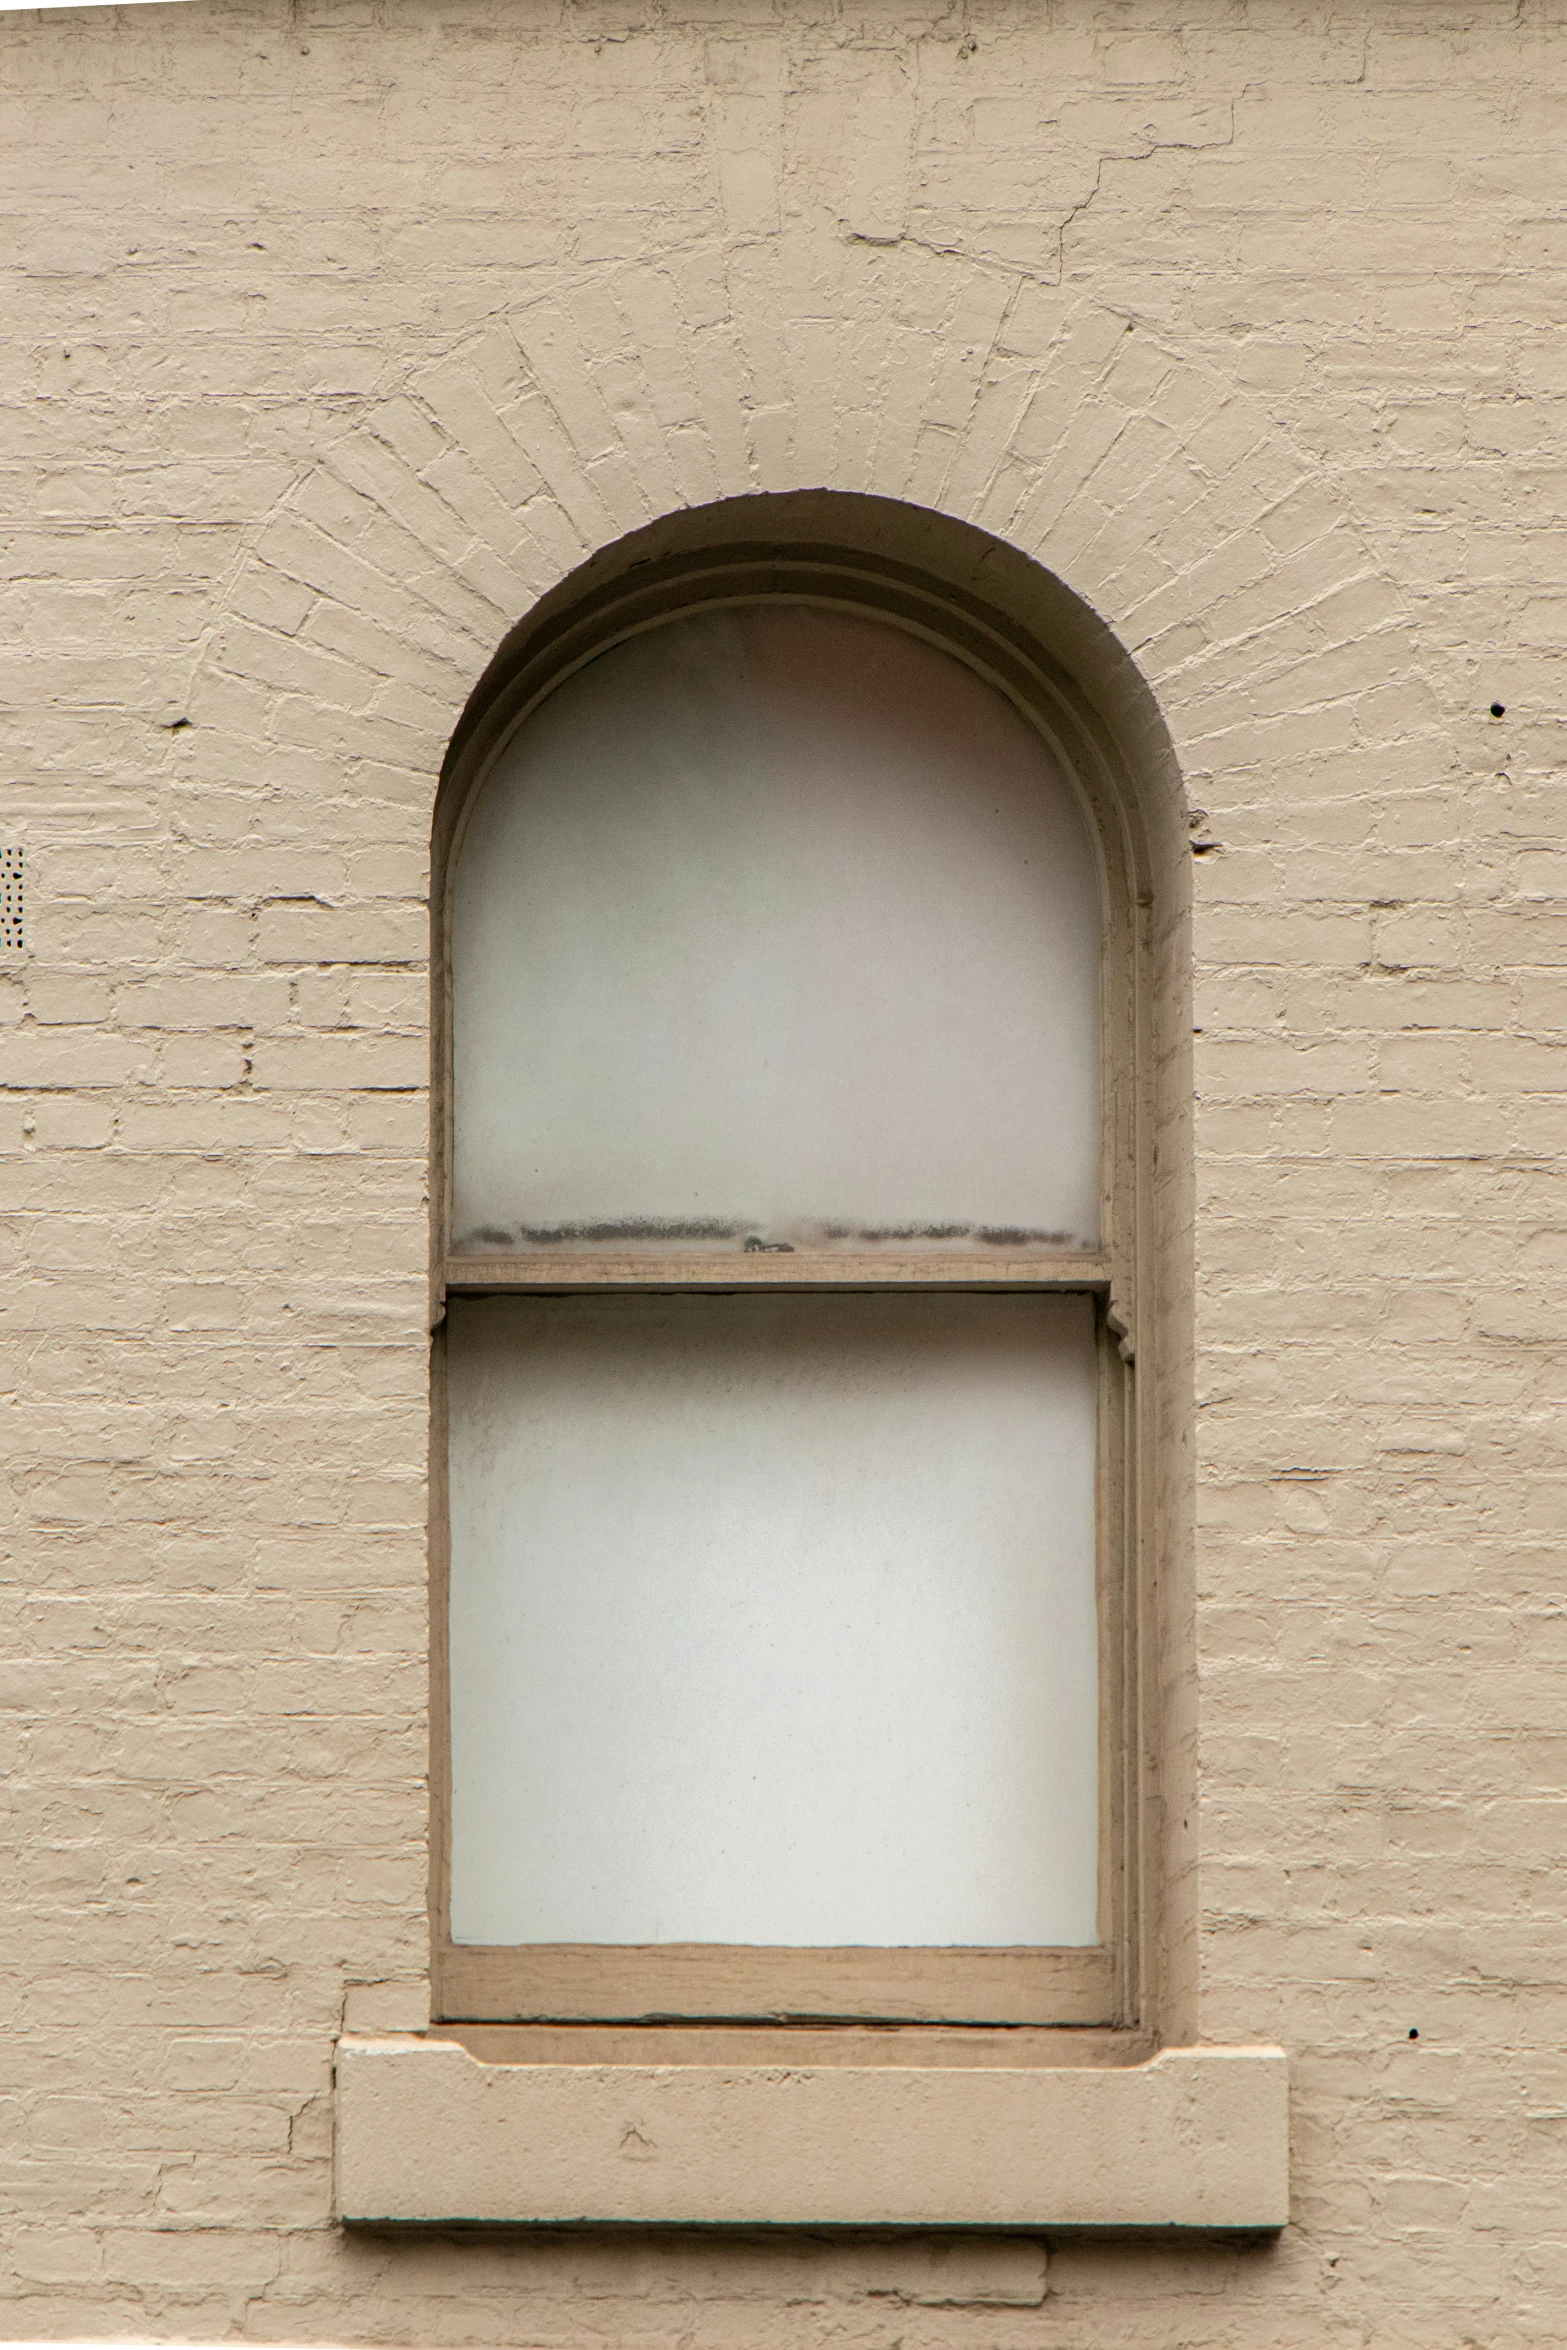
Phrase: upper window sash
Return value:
(776, 932)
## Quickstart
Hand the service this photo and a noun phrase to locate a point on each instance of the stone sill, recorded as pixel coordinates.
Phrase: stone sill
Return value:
(427, 2134)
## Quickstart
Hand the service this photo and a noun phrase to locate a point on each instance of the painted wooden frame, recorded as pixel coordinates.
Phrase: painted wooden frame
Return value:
(961, 1988)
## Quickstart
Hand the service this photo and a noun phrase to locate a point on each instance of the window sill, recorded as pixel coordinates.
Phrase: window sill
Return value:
(428, 2134)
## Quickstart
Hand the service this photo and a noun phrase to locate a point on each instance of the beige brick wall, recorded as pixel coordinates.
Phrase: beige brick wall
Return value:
(334, 334)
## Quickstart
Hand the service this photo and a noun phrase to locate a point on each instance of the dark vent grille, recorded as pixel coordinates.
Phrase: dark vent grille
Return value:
(10, 898)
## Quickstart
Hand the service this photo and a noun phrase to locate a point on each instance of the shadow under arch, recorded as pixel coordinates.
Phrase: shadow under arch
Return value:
(1009, 617)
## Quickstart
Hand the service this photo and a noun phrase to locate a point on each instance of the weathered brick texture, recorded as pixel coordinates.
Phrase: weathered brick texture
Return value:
(336, 331)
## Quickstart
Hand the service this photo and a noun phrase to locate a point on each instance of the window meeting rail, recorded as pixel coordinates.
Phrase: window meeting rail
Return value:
(584, 1273)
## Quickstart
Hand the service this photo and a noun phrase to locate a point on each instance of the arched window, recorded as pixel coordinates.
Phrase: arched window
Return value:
(781, 1542)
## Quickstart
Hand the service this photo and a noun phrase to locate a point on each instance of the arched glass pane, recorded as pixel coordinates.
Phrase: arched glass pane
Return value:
(777, 925)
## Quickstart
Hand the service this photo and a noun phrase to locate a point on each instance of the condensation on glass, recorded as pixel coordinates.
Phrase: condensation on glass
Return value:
(775, 927)
(773, 1616)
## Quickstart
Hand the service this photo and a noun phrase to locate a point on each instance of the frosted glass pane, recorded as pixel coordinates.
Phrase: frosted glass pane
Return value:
(775, 924)
(773, 1620)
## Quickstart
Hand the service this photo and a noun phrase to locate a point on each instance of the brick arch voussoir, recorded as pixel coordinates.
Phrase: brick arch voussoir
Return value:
(1170, 504)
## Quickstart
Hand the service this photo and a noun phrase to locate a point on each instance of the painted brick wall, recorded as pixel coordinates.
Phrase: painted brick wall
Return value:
(335, 333)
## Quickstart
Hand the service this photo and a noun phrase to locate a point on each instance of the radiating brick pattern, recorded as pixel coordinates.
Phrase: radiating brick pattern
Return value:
(334, 334)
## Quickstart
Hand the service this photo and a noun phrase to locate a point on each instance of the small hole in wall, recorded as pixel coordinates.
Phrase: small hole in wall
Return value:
(1498, 709)
(10, 899)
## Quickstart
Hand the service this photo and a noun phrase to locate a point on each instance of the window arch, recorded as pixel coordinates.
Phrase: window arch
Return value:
(786, 1218)
(776, 925)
